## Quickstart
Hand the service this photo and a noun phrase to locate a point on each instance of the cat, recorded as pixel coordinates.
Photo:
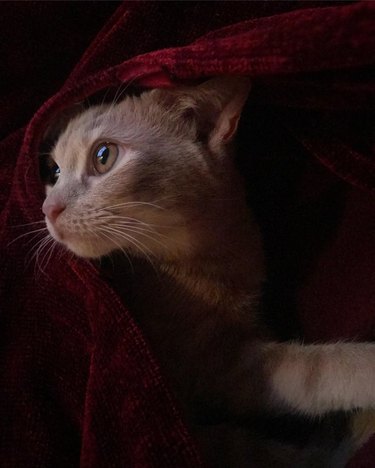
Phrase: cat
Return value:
(153, 176)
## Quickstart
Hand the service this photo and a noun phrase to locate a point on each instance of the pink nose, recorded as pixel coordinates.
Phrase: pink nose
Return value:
(52, 209)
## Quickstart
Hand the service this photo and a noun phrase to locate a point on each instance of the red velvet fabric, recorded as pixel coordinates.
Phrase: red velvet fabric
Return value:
(79, 385)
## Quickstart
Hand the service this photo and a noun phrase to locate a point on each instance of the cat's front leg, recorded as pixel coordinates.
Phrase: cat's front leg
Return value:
(305, 379)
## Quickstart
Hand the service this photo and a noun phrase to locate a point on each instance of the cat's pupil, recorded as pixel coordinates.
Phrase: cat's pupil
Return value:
(103, 154)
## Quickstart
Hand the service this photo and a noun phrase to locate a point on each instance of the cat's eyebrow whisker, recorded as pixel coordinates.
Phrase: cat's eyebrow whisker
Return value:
(35, 231)
(105, 97)
(120, 92)
(126, 87)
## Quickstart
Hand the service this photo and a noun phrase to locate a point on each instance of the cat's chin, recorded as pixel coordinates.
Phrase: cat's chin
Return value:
(86, 250)
(82, 247)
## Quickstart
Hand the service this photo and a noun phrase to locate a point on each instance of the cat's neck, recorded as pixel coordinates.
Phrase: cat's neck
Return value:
(226, 265)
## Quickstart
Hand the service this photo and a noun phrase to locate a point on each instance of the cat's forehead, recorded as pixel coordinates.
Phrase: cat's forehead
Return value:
(139, 123)
(125, 122)
(78, 137)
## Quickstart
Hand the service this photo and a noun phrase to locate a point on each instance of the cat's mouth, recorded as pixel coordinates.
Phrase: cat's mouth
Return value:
(55, 232)
(81, 244)
(62, 236)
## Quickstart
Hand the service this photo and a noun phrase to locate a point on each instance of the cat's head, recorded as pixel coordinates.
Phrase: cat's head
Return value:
(144, 174)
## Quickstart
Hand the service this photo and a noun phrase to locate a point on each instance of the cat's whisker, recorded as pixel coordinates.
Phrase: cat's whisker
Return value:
(62, 252)
(39, 251)
(27, 224)
(123, 91)
(113, 103)
(152, 238)
(147, 228)
(38, 244)
(143, 202)
(127, 85)
(134, 221)
(116, 217)
(136, 242)
(45, 256)
(71, 255)
(126, 235)
(120, 92)
(43, 245)
(119, 246)
(130, 204)
(144, 232)
(50, 249)
(141, 227)
(35, 231)
(33, 250)
(105, 97)
(95, 234)
(91, 231)
(35, 236)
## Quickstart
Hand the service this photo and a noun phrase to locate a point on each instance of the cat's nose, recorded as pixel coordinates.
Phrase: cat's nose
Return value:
(52, 209)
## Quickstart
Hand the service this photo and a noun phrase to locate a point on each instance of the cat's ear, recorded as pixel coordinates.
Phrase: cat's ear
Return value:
(221, 101)
(209, 112)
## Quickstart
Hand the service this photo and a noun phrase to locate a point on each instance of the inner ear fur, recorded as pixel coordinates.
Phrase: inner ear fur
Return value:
(214, 106)
(226, 98)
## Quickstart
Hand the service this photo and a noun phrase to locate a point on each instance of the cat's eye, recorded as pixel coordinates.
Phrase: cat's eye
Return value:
(49, 170)
(55, 173)
(104, 157)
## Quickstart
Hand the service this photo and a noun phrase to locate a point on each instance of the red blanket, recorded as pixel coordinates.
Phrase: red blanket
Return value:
(78, 382)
